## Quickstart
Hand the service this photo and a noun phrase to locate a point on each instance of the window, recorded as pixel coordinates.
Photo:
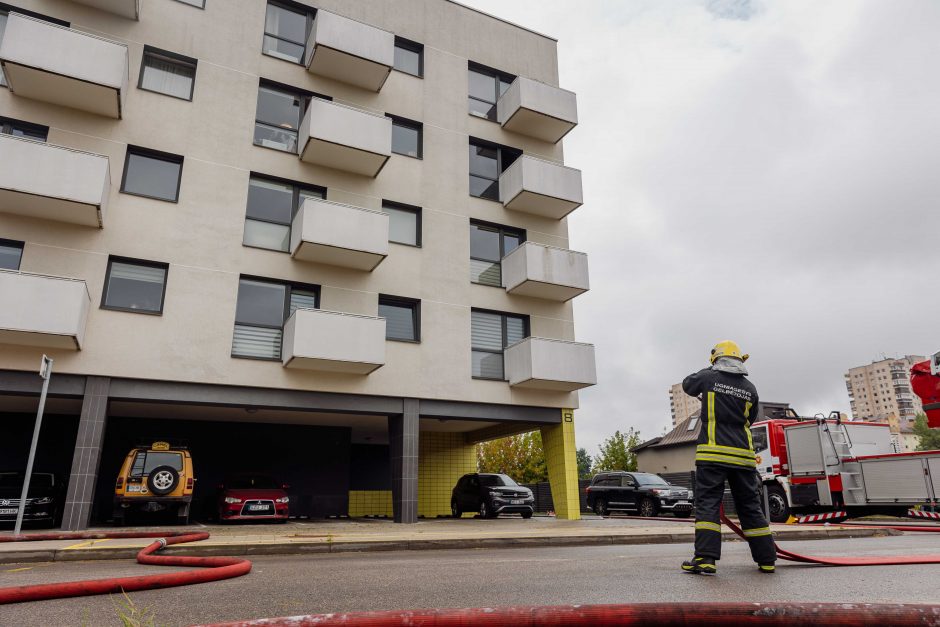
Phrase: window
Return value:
(286, 27)
(152, 174)
(489, 243)
(693, 422)
(10, 254)
(402, 318)
(133, 285)
(272, 205)
(278, 115)
(487, 162)
(3, 25)
(404, 223)
(200, 4)
(490, 333)
(485, 87)
(9, 126)
(263, 307)
(406, 136)
(167, 73)
(409, 57)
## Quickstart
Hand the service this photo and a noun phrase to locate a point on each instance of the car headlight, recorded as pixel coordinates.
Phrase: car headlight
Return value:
(43, 500)
(283, 499)
(232, 499)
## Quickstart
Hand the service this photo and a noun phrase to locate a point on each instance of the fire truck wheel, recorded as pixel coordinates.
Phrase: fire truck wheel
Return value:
(779, 508)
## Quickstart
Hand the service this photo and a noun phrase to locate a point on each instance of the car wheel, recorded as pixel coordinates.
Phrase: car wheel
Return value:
(600, 507)
(779, 508)
(486, 511)
(455, 510)
(163, 480)
(527, 515)
(648, 508)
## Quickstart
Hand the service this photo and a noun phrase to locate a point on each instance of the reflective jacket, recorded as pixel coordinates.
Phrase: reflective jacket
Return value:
(728, 403)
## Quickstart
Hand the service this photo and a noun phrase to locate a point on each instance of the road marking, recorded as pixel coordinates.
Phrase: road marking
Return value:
(87, 543)
(18, 570)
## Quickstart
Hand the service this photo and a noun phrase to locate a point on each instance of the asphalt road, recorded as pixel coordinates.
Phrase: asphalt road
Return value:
(280, 586)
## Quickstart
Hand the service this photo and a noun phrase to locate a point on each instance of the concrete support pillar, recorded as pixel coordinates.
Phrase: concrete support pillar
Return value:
(403, 449)
(87, 457)
(561, 459)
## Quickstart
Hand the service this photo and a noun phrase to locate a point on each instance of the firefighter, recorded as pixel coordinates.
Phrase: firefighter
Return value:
(725, 453)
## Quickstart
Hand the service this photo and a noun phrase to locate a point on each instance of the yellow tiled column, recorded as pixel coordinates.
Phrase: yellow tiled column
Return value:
(443, 458)
(370, 503)
(561, 459)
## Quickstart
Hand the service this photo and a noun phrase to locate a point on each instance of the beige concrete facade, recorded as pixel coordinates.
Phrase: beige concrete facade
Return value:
(881, 390)
(681, 404)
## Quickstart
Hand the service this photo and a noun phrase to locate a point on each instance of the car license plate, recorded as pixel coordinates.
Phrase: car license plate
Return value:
(515, 502)
(135, 488)
(257, 508)
(9, 510)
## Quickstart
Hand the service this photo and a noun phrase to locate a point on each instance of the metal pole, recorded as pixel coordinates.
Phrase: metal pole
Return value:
(45, 370)
(766, 494)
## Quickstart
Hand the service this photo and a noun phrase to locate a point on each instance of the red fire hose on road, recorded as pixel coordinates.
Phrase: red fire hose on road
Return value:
(209, 568)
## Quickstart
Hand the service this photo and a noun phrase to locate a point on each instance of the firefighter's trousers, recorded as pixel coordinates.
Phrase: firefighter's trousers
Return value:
(745, 489)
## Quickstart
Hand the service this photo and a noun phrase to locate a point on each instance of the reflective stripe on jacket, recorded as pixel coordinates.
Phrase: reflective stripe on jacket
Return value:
(728, 401)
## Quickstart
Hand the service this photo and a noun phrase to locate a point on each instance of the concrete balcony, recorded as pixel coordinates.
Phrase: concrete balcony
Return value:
(64, 66)
(545, 272)
(43, 311)
(543, 364)
(41, 180)
(537, 109)
(349, 51)
(330, 341)
(124, 8)
(345, 138)
(540, 187)
(339, 235)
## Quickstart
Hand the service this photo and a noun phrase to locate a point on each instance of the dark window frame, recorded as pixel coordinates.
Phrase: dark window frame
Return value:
(502, 155)
(305, 97)
(8, 124)
(419, 223)
(294, 7)
(137, 262)
(290, 286)
(397, 120)
(503, 230)
(504, 316)
(296, 188)
(158, 155)
(173, 57)
(12, 243)
(404, 301)
(497, 76)
(411, 46)
(201, 7)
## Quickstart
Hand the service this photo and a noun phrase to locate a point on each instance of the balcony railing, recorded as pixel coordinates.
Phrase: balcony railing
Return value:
(545, 364)
(42, 180)
(350, 51)
(330, 341)
(537, 109)
(339, 235)
(345, 138)
(48, 62)
(43, 311)
(125, 8)
(547, 272)
(540, 187)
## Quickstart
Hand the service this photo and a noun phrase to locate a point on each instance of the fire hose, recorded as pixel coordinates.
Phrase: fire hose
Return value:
(208, 568)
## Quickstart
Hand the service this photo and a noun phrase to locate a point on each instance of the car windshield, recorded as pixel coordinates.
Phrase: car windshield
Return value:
(651, 480)
(147, 461)
(15, 480)
(247, 482)
(496, 480)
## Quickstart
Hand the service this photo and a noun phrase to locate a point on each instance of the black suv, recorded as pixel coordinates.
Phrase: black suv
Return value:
(637, 492)
(42, 506)
(491, 495)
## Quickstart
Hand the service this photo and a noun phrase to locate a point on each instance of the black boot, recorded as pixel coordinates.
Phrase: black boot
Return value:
(700, 566)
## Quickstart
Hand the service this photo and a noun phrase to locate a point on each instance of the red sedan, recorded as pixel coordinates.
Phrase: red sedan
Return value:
(253, 497)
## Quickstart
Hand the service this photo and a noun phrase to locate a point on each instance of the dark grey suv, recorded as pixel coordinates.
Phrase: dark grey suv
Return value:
(491, 494)
(640, 493)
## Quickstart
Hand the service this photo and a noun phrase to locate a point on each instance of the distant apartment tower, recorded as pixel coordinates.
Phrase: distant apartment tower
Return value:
(882, 389)
(681, 404)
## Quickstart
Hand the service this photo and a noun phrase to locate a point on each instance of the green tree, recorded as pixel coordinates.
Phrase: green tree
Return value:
(519, 456)
(615, 452)
(584, 464)
(929, 438)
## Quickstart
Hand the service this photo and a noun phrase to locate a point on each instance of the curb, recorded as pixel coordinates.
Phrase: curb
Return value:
(358, 546)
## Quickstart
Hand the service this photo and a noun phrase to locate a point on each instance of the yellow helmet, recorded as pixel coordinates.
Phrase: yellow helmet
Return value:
(727, 348)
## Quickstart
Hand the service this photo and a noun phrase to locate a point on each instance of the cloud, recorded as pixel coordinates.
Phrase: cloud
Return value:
(760, 171)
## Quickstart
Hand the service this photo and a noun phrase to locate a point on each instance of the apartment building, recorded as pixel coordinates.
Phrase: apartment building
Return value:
(882, 389)
(322, 240)
(681, 405)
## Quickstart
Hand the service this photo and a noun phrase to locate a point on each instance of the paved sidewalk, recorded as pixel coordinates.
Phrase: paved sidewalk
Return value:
(332, 536)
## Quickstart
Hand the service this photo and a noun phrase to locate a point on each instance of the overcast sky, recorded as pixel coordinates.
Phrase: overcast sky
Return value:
(763, 171)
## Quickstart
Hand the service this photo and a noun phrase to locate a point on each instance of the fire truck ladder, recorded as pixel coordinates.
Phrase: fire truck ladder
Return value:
(849, 469)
